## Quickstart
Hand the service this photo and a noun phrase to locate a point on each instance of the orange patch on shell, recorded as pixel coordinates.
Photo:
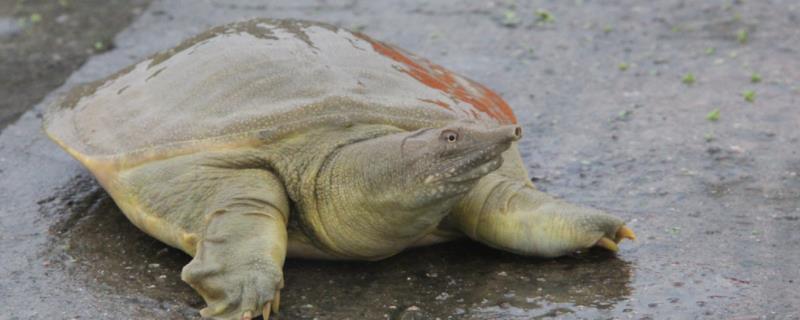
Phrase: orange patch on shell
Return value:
(432, 75)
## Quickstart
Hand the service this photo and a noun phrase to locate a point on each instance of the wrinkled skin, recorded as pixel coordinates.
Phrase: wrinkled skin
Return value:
(354, 190)
(394, 190)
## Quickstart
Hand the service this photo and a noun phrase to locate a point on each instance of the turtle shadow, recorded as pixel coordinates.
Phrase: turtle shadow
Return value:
(95, 244)
(97, 247)
(463, 280)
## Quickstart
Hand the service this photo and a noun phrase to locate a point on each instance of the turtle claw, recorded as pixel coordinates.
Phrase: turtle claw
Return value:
(247, 315)
(608, 244)
(274, 305)
(267, 309)
(276, 302)
(624, 233)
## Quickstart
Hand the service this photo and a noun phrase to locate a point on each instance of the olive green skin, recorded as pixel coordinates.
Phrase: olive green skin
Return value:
(266, 139)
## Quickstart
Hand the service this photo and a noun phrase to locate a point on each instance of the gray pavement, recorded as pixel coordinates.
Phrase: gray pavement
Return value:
(43, 42)
(612, 119)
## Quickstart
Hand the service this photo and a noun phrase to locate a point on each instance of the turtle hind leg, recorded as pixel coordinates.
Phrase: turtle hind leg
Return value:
(504, 210)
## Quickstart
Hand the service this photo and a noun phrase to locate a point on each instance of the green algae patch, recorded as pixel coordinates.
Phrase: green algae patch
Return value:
(713, 116)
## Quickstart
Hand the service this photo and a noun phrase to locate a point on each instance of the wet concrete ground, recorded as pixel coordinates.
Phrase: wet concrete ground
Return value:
(43, 41)
(612, 119)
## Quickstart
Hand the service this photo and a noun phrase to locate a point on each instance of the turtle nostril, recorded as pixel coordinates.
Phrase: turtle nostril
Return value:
(518, 132)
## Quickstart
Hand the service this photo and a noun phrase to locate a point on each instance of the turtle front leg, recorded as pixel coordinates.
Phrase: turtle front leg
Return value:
(232, 220)
(239, 261)
(504, 210)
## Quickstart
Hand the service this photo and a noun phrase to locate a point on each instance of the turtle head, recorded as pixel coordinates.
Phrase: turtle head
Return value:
(446, 162)
(381, 194)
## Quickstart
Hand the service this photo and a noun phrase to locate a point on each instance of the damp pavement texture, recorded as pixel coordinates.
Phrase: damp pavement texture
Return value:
(679, 116)
(43, 41)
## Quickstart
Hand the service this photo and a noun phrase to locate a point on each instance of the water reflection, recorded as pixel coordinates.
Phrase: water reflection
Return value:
(464, 280)
(95, 244)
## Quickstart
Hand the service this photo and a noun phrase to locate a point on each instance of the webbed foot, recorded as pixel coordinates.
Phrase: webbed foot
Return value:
(549, 227)
(512, 215)
(235, 291)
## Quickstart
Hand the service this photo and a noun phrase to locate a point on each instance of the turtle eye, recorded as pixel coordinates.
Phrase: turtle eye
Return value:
(450, 135)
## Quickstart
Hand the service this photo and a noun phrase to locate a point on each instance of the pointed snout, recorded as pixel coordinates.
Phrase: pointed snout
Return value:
(516, 133)
(511, 132)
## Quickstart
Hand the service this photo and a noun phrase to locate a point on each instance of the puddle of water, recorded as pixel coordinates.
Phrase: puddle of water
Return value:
(94, 243)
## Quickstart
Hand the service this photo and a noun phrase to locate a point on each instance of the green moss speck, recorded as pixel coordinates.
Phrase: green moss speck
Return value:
(749, 96)
(510, 18)
(36, 18)
(358, 27)
(713, 115)
(742, 36)
(688, 79)
(544, 16)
